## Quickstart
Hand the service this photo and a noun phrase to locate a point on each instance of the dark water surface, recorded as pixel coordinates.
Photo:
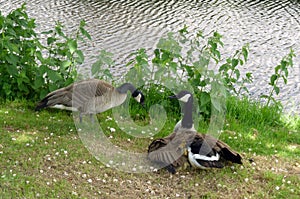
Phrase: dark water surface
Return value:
(122, 26)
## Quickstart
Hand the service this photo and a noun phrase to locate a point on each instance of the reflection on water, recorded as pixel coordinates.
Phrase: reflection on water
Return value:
(122, 26)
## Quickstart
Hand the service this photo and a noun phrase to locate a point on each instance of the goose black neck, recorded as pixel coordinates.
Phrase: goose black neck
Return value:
(126, 87)
(187, 120)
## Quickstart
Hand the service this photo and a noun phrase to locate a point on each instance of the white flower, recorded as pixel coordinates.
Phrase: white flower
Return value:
(41, 171)
(112, 130)
(277, 188)
(74, 193)
(90, 180)
(246, 179)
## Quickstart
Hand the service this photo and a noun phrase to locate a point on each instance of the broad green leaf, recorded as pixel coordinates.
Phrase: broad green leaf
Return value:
(273, 79)
(237, 73)
(53, 87)
(12, 59)
(245, 53)
(204, 98)
(66, 64)
(72, 44)
(12, 70)
(51, 40)
(234, 62)
(85, 33)
(80, 59)
(38, 82)
(276, 90)
(54, 76)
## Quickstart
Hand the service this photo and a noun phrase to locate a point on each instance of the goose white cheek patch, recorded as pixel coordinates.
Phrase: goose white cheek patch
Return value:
(138, 98)
(185, 98)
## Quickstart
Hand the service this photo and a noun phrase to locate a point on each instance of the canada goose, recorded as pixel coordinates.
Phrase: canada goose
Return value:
(200, 150)
(89, 97)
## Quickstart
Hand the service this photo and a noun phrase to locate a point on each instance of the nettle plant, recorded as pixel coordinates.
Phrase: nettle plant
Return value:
(281, 72)
(185, 59)
(30, 69)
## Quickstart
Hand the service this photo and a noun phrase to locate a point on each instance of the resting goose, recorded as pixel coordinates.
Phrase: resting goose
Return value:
(90, 97)
(186, 145)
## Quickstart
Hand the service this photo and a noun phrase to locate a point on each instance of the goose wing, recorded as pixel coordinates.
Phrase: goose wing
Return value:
(76, 94)
(167, 151)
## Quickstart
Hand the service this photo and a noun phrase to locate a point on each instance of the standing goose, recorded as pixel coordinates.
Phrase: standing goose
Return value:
(200, 150)
(90, 97)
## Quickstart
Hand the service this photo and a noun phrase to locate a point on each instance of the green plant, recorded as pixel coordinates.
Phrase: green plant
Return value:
(281, 72)
(184, 59)
(101, 68)
(231, 73)
(30, 69)
(18, 48)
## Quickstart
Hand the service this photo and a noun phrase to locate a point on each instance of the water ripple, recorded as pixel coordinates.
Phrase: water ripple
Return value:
(122, 26)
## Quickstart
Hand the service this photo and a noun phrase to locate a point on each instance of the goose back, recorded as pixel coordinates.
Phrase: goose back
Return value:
(86, 96)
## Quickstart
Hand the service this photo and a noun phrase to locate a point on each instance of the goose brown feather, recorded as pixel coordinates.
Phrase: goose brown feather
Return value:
(90, 96)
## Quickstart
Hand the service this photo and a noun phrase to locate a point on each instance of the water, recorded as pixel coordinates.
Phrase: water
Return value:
(122, 26)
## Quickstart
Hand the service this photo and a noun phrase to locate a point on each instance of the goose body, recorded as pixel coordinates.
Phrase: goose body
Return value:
(201, 151)
(89, 97)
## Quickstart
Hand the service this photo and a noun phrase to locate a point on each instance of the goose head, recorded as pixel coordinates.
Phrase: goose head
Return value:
(183, 96)
(139, 97)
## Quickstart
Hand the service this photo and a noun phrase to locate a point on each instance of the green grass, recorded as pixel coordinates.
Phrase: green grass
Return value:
(41, 155)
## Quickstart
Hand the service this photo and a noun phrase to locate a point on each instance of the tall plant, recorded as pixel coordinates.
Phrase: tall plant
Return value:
(30, 69)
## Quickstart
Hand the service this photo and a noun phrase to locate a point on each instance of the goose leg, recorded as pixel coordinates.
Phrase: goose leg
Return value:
(171, 169)
(92, 118)
(80, 117)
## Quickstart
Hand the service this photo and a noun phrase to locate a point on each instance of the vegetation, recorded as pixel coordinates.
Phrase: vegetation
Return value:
(30, 69)
(42, 155)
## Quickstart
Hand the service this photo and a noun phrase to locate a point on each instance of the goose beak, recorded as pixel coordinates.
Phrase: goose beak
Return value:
(173, 97)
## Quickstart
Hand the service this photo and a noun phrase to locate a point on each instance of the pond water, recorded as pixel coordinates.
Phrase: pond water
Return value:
(122, 26)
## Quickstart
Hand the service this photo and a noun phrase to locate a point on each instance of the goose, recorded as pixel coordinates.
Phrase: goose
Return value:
(184, 145)
(90, 96)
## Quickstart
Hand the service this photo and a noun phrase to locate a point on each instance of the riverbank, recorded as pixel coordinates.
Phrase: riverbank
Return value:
(43, 156)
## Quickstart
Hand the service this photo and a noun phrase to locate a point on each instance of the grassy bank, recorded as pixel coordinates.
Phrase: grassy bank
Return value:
(42, 156)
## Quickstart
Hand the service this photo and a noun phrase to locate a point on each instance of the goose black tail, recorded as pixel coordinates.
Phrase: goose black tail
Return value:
(233, 157)
(42, 104)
